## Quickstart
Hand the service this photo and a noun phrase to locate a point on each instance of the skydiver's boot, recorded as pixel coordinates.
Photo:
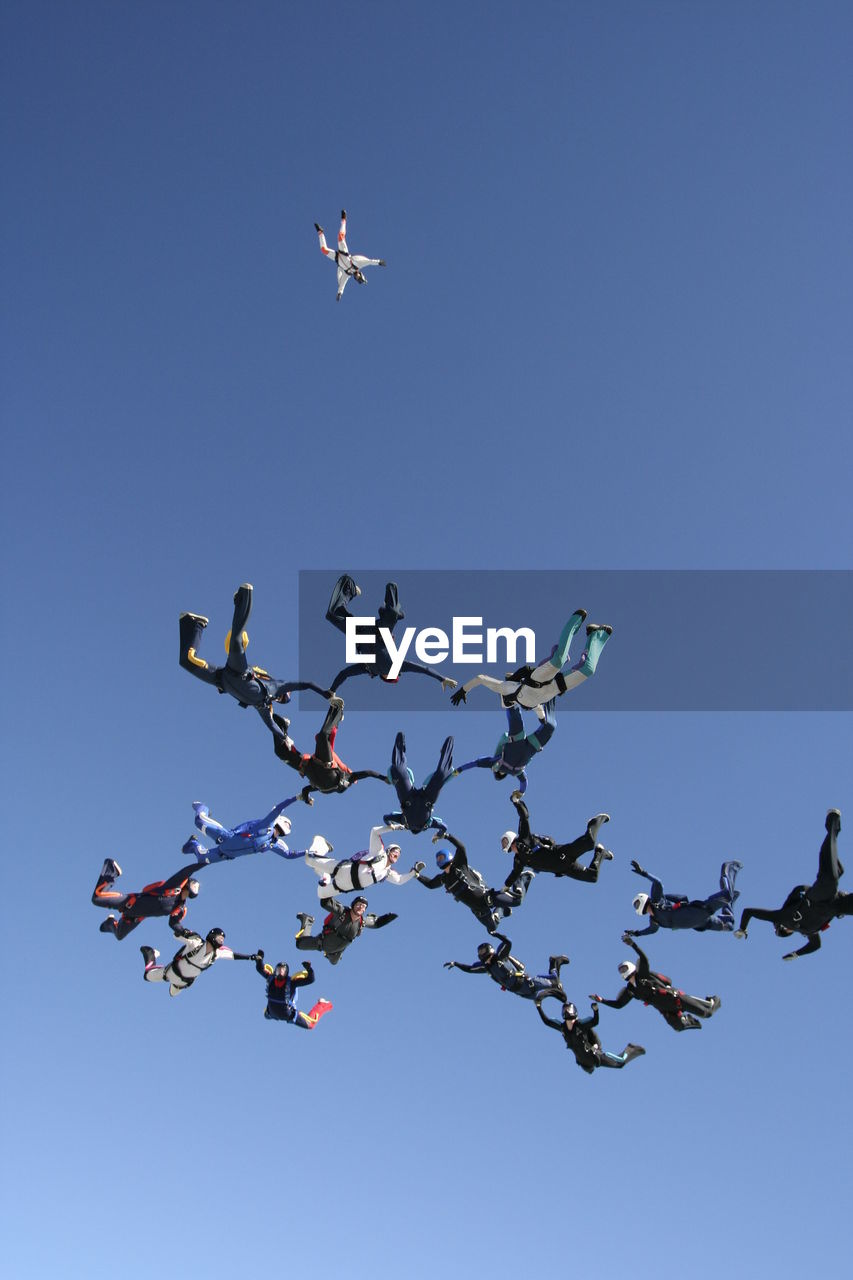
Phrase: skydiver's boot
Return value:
(632, 1051)
(688, 1023)
(560, 652)
(108, 925)
(305, 922)
(193, 846)
(390, 613)
(597, 637)
(314, 1015)
(344, 592)
(555, 964)
(110, 871)
(833, 819)
(191, 626)
(149, 955)
(601, 855)
(595, 824)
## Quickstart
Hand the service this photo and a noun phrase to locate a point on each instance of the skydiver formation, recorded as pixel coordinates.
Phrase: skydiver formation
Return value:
(533, 689)
(808, 910)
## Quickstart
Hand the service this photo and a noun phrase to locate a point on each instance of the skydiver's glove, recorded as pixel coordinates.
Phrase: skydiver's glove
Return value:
(259, 955)
(418, 868)
(449, 964)
(635, 866)
(306, 795)
(516, 796)
(343, 215)
(596, 997)
(594, 1005)
(308, 967)
(284, 696)
(396, 826)
(381, 921)
(459, 696)
(382, 262)
(439, 835)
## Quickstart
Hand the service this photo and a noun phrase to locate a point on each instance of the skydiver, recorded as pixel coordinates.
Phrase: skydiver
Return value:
(256, 836)
(581, 1039)
(810, 909)
(510, 974)
(675, 911)
(344, 592)
(543, 854)
(468, 887)
(282, 994)
(251, 686)
(515, 748)
(196, 955)
(350, 265)
(679, 1011)
(324, 771)
(416, 803)
(529, 687)
(341, 927)
(162, 898)
(375, 865)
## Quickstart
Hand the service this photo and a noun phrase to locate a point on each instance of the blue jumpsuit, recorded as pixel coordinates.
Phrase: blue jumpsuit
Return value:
(249, 837)
(675, 911)
(515, 748)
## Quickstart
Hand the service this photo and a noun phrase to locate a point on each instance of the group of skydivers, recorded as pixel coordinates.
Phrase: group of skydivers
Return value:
(808, 909)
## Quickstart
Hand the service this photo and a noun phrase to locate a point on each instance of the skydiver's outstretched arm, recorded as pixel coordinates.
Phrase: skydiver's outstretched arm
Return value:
(780, 916)
(503, 688)
(656, 891)
(368, 773)
(279, 809)
(460, 857)
(379, 922)
(813, 944)
(504, 949)
(523, 816)
(466, 968)
(432, 882)
(621, 1000)
(651, 927)
(298, 686)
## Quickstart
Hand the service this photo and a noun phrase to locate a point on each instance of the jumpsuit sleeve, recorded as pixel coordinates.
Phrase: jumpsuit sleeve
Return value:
(523, 819)
(469, 968)
(549, 1022)
(518, 865)
(274, 813)
(460, 857)
(376, 844)
(304, 977)
(432, 882)
(621, 1000)
(643, 969)
(651, 927)
(813, 944)
(397, 877)
(484, 762)
(503, 950)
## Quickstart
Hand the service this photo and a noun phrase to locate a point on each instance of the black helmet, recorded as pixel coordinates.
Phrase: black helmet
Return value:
(485, 950)
(570, 1010)
(216, 937)
(357, 900)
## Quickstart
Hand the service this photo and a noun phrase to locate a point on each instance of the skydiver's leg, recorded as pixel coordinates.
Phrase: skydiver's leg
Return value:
(514, 724)
(546, 713)
(344, 592)
(342, 233)
(399, 773)
(509, 898)
(104, 895)
(325, 739)
(844, 904)
(191, 626)
(443, 770)
(829, 868)
(307, 942)
(390, 612)
(126, 925)
(359, 260)
(237, 638)
(701, 1008)
(324, 248)
(209, 826)
(560, 653)
(309, 1020)
(153, 972)
(622, 1059)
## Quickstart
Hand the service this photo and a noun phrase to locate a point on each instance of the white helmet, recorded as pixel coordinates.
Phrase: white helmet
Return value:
(193, 887)
(626, 968)
(507, 839)
(282, 825)
(639, 903)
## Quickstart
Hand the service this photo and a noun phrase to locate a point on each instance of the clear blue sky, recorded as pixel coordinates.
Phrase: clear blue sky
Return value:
(614, 332)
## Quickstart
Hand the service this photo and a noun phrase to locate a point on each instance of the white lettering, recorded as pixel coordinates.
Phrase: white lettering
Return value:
(432, 645)
(511, 637)
(354, 626)
(397, 655)
(460, 639)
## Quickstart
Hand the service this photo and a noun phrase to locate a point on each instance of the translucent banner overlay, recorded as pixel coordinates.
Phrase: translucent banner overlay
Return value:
(683, 640)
